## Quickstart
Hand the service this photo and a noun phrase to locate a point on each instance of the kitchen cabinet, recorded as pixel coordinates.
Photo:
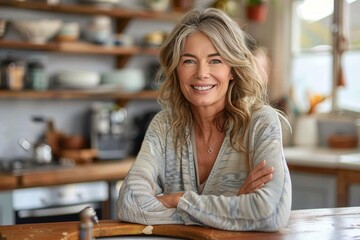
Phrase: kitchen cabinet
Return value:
(328, 173)
(6, 212)
(313, 190)
(121, 18)
(354, 199)
(78, 176)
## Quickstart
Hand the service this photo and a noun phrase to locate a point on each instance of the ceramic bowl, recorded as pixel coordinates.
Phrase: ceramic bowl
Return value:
(127, 80)
(101, 3)
(157, 5)
(37, 31)
(76, 79)
(69, 32)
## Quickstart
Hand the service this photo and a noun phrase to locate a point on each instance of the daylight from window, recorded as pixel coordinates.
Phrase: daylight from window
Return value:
(311, 74)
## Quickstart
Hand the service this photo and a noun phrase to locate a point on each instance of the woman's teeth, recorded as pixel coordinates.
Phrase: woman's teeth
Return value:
(203, 88)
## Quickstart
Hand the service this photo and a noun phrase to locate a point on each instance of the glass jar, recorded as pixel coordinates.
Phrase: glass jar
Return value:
(35, 77)
(12, 72)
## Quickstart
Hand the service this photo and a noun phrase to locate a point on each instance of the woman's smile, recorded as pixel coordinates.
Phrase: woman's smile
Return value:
(202, 88)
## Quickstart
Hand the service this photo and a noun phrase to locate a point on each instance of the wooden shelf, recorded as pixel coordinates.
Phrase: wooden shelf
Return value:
(116, 12)
(77, 94)
(77, 47)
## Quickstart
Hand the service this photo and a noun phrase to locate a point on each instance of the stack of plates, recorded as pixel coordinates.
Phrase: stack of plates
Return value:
(78, 79)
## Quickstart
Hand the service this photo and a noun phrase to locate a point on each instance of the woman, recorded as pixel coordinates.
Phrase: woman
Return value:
(213, 156)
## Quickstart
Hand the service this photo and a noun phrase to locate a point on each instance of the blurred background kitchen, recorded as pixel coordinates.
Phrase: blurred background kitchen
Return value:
(77, 88)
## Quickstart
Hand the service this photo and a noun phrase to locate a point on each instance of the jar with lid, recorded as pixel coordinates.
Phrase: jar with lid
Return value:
(35, 76)
(12, 71)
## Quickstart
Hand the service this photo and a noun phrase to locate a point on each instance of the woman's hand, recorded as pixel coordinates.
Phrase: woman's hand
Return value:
(257, 178)
(170, 200)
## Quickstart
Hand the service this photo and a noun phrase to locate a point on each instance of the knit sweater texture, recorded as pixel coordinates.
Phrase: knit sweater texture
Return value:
(159, 168)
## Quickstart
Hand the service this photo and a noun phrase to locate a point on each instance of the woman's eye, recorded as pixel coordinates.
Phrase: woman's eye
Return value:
(215, 61)
(189, 61)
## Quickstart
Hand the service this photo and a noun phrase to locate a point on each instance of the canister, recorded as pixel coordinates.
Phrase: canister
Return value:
(12, 72)
(35, 76)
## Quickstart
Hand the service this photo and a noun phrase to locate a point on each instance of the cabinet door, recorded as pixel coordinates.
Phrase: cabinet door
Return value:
(6, 208)
(354, 195)
(313, 191)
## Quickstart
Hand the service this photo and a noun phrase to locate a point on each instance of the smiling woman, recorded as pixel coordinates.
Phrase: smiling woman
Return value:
(213, 156)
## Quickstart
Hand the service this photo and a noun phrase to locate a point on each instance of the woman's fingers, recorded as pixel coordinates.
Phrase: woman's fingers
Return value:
(252, 186)
(257, 178)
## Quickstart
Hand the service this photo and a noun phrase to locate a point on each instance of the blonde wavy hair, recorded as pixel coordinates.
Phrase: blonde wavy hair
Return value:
(246, 93)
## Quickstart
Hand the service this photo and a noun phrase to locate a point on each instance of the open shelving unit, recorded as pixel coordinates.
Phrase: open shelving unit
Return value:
(122, 54)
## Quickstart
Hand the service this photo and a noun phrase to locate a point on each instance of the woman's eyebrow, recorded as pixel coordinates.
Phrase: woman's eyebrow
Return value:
(193, 56)
(214, 55)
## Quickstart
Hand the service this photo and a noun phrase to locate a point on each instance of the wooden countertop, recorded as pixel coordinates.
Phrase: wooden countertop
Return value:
(315, 160)
(102, 170)
(8, 182)
(107, 170)
(332, 223)
(322, 157)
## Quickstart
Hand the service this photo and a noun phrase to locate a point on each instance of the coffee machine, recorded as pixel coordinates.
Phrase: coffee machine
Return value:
(109, 133)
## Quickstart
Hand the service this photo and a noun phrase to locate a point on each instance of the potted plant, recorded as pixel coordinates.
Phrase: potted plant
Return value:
(256, 10)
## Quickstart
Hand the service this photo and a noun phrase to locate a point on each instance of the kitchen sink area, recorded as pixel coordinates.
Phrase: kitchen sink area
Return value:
(18, 167)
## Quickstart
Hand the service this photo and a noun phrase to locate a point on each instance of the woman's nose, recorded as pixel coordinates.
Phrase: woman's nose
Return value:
(203, 71)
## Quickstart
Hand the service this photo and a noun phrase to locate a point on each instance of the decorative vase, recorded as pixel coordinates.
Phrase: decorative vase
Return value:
(257, 13)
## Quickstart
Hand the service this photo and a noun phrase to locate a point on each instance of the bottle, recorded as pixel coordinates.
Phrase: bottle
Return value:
(87, 219)
(36, 78)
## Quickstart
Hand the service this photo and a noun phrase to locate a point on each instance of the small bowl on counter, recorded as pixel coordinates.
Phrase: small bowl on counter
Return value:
(79, 156)
(72, 142)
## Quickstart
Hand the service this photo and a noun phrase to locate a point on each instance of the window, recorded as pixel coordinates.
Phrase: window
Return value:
(313, 55)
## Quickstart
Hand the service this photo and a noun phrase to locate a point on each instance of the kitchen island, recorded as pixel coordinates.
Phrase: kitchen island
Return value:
(327, 223)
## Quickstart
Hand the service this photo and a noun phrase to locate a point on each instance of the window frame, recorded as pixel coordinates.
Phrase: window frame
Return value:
(337, 45)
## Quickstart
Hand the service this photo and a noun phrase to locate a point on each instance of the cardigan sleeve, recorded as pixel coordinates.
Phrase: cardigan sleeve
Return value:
(137, 200)
(266, 209)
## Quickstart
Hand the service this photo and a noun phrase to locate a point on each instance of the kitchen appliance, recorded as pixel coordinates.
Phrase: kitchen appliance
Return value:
(58, 203)
(109, 135)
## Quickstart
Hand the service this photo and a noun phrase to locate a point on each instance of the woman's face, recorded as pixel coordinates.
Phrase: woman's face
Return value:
(203, 74)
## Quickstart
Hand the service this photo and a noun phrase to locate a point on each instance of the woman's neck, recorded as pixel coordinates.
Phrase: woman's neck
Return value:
(205, 126)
